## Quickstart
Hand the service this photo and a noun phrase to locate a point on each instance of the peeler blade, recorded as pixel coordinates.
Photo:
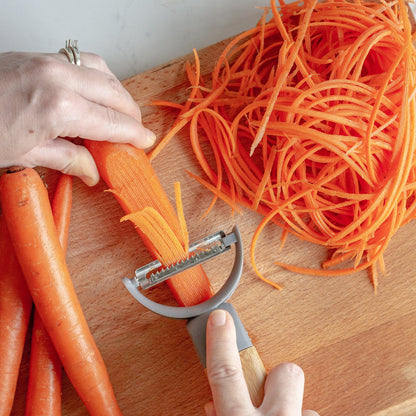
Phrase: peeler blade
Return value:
(186, 312)
(201, 251)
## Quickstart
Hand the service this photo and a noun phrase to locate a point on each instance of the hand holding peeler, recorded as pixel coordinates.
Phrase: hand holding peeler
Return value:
(197, 315)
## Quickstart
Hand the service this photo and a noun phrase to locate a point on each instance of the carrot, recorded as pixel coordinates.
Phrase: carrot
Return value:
(310, 118)
(29, 218)
(181, 215)
(133, 181)
(15, 311)
(44, 387)
(61, 208)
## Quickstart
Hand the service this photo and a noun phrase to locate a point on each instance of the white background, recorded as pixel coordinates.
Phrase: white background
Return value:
(131, 35)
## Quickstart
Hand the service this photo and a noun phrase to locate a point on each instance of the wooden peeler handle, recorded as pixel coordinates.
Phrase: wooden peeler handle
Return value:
(254, 373)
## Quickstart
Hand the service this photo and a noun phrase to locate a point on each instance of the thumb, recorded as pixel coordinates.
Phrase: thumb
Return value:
(225, 375)
(66, 157)
(210, 409)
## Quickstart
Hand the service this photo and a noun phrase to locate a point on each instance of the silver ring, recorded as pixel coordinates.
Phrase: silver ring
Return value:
(71, 51)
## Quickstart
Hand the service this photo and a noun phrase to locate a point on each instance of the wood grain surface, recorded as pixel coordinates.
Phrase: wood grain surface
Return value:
(357, 348)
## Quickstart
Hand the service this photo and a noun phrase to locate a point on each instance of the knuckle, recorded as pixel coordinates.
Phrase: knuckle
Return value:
(44, 67)
(50, 106)
(71, 158)
(55, 104)
(95, 61)
(69, 161)
(219, 373)
(113, 121)
(49, 99)
(116, 86)
(125, 99)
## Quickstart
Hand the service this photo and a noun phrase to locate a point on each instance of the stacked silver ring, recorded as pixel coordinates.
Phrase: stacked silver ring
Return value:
(71, 52)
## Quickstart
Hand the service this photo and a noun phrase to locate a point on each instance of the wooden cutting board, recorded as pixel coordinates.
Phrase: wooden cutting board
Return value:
(357, 348)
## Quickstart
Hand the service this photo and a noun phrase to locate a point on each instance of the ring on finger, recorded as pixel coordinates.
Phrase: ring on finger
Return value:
(71, 51)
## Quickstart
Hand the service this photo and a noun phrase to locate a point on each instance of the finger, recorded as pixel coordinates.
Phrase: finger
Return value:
(92, 60)
(92, 80)
(284, 390)
(88, 59)
(66, 157)
(225, 375)
(102, 88)
(309, 413)
(210, 409)
(69, 115)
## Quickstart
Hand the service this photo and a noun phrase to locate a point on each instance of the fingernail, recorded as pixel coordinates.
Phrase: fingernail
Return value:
(89, 180)
(218, 317)
(150, 137)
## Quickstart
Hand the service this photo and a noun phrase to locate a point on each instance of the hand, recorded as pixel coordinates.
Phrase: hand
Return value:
(45, 100)
(283, 387)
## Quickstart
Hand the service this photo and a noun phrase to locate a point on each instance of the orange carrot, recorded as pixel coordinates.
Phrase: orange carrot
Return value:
(310, 118)
(29, 218)
(15, 310)
(133, 181)
(44, 387)
(181, 216)
(61, 208)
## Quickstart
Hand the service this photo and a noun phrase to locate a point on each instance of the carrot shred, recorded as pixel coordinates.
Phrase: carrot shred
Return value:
(167, 248)
(310, 121)
(181, 215)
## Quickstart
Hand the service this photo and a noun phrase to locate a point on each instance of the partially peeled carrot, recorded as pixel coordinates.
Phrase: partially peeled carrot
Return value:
(131, 178)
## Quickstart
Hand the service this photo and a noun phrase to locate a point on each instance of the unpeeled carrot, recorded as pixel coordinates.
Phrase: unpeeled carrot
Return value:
(133, 181)
(25, 203)
(310, 118)
(44, 391)
(61, 208)
(44, 387)
(15, 311)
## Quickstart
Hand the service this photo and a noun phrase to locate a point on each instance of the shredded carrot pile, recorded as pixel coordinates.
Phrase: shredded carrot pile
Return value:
(310, 120)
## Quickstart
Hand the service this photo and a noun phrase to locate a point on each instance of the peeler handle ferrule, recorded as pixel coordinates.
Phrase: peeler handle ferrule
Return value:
(197, 330)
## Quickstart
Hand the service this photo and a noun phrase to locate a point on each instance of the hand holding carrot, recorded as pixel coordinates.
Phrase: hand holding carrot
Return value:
(46, 100)
(283, 388)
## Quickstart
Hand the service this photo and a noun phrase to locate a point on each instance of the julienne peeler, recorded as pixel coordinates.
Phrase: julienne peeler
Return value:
(197, 315)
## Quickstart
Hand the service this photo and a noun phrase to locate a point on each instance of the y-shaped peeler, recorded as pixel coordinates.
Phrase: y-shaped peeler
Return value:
(197, 315)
